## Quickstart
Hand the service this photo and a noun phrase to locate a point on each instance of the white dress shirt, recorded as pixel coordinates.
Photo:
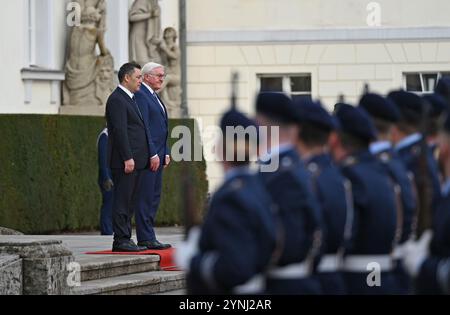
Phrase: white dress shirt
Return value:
(154, 94)
(131, 95)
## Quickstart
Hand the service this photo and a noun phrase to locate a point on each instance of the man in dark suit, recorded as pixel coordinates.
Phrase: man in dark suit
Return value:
(128, 153)
(156, 122)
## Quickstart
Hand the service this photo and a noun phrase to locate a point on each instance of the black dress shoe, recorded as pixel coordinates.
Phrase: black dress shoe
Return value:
(127, 247)
(154, 245)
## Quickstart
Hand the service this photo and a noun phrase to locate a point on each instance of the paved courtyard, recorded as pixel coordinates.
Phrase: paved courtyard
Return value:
(81, 243)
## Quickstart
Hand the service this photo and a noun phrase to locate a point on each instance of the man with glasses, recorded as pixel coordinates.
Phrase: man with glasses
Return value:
(155, 117)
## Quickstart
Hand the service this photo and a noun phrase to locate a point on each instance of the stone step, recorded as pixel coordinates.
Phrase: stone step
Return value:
(108, 266)
(134, 284)
(10, 275)
(174, 292)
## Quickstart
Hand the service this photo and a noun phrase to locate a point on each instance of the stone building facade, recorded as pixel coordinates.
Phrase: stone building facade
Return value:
(319, 48)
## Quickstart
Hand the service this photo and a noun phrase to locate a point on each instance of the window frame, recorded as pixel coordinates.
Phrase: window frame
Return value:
(439, 75)
(40, 28)
(286, 81)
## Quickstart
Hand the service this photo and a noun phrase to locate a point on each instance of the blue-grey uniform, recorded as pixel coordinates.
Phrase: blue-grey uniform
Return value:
(443, 89)
(238, 236)
(409, 148)
(290, 188)
(374, 216)
(383, 109)
(332, 193)
(104, 175)
(434, 274)
(438, 107)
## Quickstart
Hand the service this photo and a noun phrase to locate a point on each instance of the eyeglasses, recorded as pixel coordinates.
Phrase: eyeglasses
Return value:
(159, 76)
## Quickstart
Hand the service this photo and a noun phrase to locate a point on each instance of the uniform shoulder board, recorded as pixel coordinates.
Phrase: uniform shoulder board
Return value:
(384, 157)
(350, 161)
(237, 184)
(416, 150)
(287, 162)
(313, 168)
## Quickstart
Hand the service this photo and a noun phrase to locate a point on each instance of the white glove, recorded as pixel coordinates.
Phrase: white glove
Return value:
(415, 253)
(187, 249)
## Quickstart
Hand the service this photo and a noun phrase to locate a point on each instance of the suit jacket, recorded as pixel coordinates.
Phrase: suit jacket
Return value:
(128, 137)
(156, 121)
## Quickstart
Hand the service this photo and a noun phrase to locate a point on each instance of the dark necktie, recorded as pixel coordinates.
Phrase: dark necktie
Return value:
(137, 107)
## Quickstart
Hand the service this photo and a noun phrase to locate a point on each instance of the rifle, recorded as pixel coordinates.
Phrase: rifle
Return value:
(191, 216)
(234, 89)
(424, 185)
(340, 101)
(366, 89)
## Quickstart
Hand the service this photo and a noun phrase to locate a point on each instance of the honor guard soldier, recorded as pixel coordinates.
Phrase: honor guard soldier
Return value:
(316, 126)
(429, 262)
(443, 89)
(290, 188)
(438, 109)
(409, 136)
(238, 237)
(384, 115)
(367, 263)
(105, 183)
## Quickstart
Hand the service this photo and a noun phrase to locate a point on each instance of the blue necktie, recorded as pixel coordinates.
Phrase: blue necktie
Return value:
(158, 102)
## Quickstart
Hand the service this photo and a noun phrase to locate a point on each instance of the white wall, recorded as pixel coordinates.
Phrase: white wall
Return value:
(335, 68)
(169, 13)
(330, 39)
(306, 14)
(12, 54)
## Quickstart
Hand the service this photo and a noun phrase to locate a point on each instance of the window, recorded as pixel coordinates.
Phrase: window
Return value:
(296, 85)
(422, 82)
(31, 32)
(40, 29)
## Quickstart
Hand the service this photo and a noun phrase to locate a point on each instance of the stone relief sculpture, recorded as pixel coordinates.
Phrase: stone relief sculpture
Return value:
(145, 31)
(147, 44)
(104, 82)
(171, 89)
(89, 77)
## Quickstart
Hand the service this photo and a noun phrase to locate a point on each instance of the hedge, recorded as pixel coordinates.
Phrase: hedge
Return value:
(48, 175)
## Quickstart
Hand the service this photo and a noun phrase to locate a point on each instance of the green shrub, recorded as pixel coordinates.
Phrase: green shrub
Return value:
(48, 175)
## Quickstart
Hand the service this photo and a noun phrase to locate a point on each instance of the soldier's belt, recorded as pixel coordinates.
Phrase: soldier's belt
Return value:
(329, 263)
(364, 263)
(398, 252)
(255, 285)
(293, 271)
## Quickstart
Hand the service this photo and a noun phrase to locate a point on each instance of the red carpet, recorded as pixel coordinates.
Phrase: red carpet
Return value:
(166, 263)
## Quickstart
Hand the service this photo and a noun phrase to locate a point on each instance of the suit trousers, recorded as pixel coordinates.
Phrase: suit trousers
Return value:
(126, 190)
(148, 201)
